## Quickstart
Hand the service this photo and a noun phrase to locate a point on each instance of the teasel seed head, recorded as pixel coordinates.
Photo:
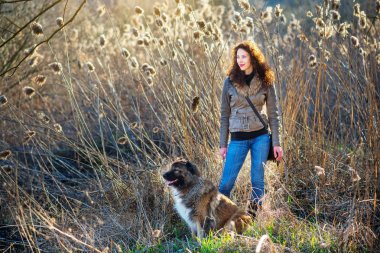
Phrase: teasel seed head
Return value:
(357, 9)
(342, 29)
(157, 11)
(318, 9)
(327, 32)
(39, 80)
(3, 100)
(174, 54)
(278, 11)
(164, 17)
(237, 17)
(146, 41)
(59, 21)
(355, 41)
(201, 24)
(139, 10)
(56, 67)
(244, 4)
(135, 32)
(189, 8)
(309, 14)
(234, 26)
(195, 104)
(165, 29)
(156, 130)
(36, 28)
(125, 53)
(151, 71)
(28, 91)
(335, 15)
(179, 43)
(134, 125)
(249, 22)
(28, 136)
(140, 42)
(319, 23)
(149, 80)
(163, 62)
(312, 61)
(134, 63)
(180, 10)
(362, 52)
(312, 64)
(159, 22)
(122, 140)
(102, 40)
(90, 67)
(266, 16)
(216, 36)
(43, 117)
(362, 21)
(243, 30)
(335, 4)
(144, 66)
(161, 42)
(378, 59)
(57, 128)
(5, 154)
(101, 10)
(312, 58)
(197, 35)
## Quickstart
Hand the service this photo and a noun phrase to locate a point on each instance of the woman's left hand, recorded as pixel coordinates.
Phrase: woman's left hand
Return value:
(278, 153)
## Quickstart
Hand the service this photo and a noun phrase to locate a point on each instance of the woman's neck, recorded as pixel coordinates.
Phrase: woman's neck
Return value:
(248, 71)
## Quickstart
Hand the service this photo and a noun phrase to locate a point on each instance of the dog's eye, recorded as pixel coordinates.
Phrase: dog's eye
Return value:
(176, 172)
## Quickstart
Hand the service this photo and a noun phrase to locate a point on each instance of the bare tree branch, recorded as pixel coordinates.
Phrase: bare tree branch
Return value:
(45, 41)
(12, 2)
(30, 21)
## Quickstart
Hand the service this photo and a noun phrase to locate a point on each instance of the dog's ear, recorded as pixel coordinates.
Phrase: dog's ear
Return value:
(193, 169)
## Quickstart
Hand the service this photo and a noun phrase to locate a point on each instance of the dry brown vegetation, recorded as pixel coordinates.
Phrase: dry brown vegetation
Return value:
(92, 110)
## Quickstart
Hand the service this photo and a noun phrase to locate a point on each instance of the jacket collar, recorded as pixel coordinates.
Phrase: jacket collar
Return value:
(252, 89)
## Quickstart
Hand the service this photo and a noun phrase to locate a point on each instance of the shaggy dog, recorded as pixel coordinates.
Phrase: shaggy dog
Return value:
(199, 203)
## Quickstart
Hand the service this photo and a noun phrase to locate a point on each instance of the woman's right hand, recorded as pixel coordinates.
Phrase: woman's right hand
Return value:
(223, 152)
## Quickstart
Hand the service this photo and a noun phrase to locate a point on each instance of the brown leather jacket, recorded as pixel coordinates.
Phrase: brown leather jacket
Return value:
(238, 116)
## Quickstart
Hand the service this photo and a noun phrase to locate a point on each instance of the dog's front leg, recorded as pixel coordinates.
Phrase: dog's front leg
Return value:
(200, 231)
(193, 233)
(209, 225)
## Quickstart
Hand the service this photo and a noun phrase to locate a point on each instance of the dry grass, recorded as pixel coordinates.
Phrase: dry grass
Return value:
(92, 116)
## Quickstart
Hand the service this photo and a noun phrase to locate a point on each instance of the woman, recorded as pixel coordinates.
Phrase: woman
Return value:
(248, 75)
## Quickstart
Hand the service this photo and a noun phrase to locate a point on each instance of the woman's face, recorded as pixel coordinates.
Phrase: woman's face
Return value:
(243, 59)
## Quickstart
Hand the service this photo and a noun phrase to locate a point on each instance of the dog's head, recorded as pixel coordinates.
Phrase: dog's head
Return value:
(181, 174)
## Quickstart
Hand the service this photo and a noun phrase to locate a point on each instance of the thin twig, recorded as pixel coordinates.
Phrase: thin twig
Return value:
(30, 21)
(44, 41)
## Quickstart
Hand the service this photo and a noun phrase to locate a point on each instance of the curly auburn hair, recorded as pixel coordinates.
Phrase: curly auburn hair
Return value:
(258, 61)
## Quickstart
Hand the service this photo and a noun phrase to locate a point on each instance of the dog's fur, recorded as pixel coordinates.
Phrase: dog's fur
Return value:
(200, 204)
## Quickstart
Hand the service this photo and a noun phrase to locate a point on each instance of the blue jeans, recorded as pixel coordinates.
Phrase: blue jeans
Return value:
(236, 154)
